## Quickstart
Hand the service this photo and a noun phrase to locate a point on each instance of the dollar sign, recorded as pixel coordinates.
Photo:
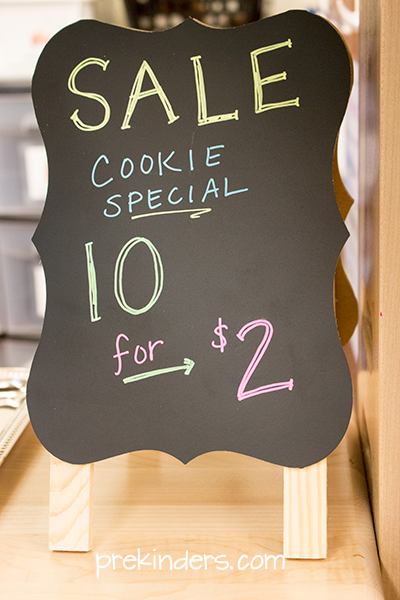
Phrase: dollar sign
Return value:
(222, 339)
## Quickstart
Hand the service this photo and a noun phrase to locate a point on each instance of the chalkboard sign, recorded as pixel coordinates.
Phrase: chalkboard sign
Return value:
(189, 240)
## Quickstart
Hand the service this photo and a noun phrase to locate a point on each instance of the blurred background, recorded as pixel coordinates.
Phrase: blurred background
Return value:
(25, 27)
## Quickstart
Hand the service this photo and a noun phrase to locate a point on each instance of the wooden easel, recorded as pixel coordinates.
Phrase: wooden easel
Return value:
(305, 509)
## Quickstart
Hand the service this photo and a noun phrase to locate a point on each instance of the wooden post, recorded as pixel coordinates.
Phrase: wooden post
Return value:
(305, 511)
(378, 384)
(71, 506)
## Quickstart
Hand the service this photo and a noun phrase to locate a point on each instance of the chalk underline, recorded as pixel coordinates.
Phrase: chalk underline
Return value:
(197, 212)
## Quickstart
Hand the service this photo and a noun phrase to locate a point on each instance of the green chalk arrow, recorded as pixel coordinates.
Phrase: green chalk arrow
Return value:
(187, 366)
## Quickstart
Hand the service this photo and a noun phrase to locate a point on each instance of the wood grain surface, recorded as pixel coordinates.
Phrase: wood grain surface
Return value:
(70, 506)
(221, 504)
(305, 511)
(379, 375)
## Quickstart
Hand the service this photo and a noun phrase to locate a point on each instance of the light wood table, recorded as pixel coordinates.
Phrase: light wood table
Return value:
(221, 504)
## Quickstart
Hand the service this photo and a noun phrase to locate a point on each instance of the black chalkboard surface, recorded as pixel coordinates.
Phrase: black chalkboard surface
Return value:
(189, 241)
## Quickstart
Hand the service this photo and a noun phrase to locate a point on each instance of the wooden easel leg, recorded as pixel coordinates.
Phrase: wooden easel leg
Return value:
(305, 512)
(71, 492)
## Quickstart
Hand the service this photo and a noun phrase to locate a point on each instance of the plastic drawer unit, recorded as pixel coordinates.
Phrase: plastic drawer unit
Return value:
(23, 162)
(17, 352)
(22, 281)
(26, 26)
